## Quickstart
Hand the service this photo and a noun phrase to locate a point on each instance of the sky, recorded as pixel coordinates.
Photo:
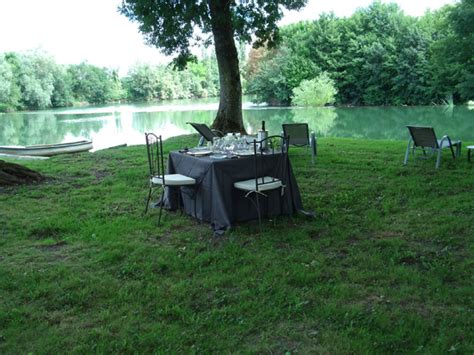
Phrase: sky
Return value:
(73, 31)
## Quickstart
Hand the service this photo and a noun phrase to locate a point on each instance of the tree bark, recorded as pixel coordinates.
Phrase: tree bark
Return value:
(229, 114)
(14, 174)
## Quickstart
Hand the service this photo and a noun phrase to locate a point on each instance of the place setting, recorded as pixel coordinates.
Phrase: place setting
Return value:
(230, 146)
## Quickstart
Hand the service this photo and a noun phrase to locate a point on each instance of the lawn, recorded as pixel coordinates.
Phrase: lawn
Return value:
(385, 267)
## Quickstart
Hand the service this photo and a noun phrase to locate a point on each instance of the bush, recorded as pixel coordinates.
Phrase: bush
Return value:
(4, 107)
(315, 92)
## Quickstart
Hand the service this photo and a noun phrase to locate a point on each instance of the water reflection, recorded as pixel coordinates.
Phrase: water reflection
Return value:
(118, 124)
(390, 122)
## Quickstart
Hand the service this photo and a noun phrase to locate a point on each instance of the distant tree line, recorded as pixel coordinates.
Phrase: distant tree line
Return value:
(378, 56)
(33, 80)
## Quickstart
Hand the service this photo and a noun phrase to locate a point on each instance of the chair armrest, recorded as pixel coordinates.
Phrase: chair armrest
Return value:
(443, 139)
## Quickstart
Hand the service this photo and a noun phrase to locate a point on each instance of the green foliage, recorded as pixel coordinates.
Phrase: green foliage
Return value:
(453, 54)
(62, 95)
(27, 81)
(141, 82)
(34, 81)
(146, 82)
(282, 71)
(315, 92)
(93, 84)
(9, 89)
(378, 56)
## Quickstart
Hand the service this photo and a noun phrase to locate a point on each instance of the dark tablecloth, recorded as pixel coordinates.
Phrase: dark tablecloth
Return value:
(217, 201)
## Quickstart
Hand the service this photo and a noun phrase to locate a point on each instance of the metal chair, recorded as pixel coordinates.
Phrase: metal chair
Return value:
(207, 134)
(158, 178)
(263, 183)
(424, 138)
(300, 137)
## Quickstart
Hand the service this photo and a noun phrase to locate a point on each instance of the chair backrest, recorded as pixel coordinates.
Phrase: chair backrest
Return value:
(154, 147)
(298, 133)
(423, 136)
(278, 146)
(204, 131)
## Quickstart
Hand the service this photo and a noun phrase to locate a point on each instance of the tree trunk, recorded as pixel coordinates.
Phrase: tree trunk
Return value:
(14, 174)
(229, 114)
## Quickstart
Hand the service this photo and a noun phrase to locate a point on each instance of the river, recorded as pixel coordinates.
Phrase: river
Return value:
(112, 125)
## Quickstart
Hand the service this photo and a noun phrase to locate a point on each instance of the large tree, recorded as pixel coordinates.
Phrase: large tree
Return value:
(174, 26)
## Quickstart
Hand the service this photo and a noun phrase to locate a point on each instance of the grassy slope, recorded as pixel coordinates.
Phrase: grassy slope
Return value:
(386, 266)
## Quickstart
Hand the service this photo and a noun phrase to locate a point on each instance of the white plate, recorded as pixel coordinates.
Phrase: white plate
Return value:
(244, 154)
(219, 156)
(200, 152)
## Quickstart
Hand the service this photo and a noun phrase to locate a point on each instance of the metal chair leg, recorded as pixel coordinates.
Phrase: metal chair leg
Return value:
(438, 159)
(148, 201)
(407, 154)
(195, 209)
(313, 147)
(161, 204)
(458, 149)
(258, 213)
(452, 151)
(180, 208)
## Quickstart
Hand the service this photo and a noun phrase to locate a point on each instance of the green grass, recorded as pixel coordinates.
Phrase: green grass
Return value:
(386, 267)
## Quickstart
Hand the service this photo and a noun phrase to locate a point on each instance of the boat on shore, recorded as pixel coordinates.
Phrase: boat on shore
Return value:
(47, 150)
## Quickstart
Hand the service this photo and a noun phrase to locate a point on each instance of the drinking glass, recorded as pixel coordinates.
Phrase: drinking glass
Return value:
(216, 144)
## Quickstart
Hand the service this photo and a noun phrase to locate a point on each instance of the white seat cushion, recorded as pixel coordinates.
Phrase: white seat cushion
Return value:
(249, 185)
(174, 180)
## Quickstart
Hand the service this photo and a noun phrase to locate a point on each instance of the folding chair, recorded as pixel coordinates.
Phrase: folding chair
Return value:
(424, 138)
(207, 134)
(300, 137)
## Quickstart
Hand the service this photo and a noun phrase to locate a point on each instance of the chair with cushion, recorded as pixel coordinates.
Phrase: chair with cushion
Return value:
(424, 138)
(263, 183)
(207, 134)
(158, 178)
(300, 137)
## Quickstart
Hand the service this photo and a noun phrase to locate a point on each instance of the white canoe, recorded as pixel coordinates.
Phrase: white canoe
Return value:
(47, 150)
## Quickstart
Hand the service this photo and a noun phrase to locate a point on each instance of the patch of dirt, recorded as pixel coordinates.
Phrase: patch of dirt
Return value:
(46, 232)
(53, 247)
(409, 260)
(387, 235)
(100, 174)
(16, 174)
(12, 189)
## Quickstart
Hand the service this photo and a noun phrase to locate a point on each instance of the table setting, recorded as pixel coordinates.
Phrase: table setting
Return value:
(232, 145)
(224, 161)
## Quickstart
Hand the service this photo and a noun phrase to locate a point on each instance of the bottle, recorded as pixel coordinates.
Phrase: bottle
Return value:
(261, 135)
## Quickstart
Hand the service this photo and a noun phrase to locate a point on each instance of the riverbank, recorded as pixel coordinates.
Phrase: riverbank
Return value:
(385, 267)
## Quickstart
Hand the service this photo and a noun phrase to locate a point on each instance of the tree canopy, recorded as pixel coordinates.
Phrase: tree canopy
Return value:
(377, 56)
(176, 26)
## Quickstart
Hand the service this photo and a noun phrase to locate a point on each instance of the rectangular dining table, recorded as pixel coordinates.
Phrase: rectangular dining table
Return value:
(217, 201)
